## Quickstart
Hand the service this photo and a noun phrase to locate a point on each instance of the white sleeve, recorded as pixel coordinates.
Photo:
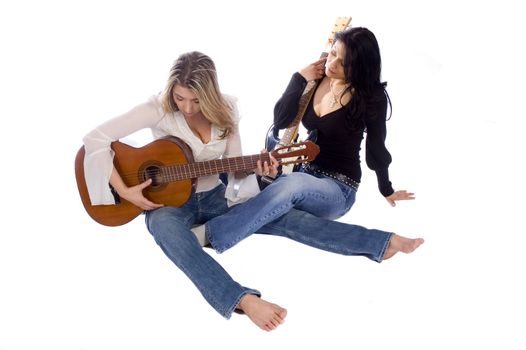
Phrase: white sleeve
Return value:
(238, 190)
(98, 158)
(241, 190)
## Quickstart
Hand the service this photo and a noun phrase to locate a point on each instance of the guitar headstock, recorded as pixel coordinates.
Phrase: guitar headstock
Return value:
(297, 152)
(340, 24)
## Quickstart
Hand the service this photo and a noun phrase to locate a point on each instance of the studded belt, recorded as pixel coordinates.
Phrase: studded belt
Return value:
(314, 169)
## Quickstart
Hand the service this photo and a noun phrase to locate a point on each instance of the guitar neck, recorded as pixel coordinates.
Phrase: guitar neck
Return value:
(212, 167)
(292, 130)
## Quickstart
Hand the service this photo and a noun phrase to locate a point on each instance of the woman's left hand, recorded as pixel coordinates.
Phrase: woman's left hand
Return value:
(265, 169)
(402, 195)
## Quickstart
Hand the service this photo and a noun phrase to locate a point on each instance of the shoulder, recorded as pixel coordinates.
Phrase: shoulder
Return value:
(232, 102)
(160, 120)
(231, 99)
(154, 102)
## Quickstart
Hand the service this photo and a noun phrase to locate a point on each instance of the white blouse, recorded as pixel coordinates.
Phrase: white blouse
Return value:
(98, 159)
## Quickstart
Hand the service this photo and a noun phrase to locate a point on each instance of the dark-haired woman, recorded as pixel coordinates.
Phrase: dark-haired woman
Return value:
(350, 101)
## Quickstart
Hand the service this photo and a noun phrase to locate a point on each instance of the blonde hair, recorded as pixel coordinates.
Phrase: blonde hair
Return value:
(196, 71)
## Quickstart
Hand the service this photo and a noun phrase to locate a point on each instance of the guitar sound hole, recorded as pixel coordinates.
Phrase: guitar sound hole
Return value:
(154, 173)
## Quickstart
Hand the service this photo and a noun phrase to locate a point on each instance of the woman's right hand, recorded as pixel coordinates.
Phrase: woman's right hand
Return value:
(314, 71)
(135, 196)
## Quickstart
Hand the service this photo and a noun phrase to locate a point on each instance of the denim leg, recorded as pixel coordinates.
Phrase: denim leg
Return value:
(170, 226)
(332, 236)
(322, 197)
(210, 204)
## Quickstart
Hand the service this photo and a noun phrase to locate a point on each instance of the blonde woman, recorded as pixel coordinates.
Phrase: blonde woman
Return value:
(192, 108)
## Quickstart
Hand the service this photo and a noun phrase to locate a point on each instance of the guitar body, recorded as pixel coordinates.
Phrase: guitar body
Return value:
(272, 138)
(136, 165)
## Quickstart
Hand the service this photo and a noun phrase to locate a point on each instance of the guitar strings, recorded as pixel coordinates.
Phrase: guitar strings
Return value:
(183, 171)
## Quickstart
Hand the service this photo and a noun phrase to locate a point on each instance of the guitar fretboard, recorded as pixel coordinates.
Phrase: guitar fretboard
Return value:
(290, 132)
(212, 167)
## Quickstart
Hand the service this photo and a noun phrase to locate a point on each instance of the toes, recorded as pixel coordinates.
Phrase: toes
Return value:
(417, 243)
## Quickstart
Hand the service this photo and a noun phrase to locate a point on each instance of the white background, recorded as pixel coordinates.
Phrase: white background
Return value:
(455, 72)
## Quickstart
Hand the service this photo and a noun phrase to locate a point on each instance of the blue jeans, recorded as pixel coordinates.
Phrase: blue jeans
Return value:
(170, 226)
(301, 207)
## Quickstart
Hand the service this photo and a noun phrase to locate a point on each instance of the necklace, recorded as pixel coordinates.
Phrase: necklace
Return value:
(335, 97)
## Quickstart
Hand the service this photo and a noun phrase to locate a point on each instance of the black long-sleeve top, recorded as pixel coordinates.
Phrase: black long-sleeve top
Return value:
(339, 143)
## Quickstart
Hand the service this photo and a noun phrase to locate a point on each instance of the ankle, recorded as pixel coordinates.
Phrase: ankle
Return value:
(246, 301)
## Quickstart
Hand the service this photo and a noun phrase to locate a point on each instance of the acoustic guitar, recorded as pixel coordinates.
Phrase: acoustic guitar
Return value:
(169, 163)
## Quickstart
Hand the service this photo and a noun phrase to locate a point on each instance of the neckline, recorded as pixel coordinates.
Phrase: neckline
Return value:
(328, 114)
(192, 134)
(311, 104)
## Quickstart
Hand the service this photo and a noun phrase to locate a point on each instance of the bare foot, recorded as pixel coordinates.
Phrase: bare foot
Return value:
(265, 315)
(401, 244)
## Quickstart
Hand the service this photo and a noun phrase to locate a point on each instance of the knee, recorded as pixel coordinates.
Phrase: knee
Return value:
(293, 184)
(162, 223)
(157, 218)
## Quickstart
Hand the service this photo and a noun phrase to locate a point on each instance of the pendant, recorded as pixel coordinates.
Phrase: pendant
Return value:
(333, 102)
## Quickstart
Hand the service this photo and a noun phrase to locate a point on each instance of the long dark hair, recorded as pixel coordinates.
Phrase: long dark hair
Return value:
(362, 65)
